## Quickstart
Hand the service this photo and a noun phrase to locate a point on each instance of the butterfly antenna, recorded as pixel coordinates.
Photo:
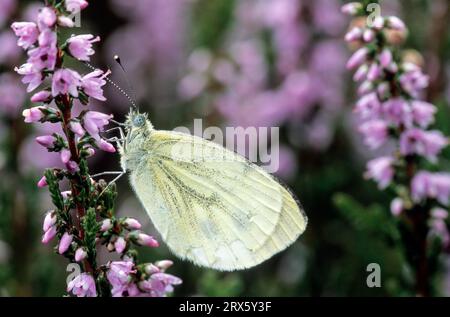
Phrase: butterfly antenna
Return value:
(130, 87)
(123, 92)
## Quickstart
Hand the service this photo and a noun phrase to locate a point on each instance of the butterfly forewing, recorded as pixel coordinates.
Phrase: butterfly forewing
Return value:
(211, 205)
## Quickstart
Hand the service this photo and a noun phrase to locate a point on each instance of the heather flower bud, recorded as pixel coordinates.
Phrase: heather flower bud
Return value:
(395, 23)
(106, 225)
(46, 140)
(120, 244)
(80, 254)
(65, 242)
(151, 269)
(131, 223)
(357, 58)
(164, 264)
(49, 220)
(49, 235)
(76, 128)
(65, 155)
(42, 182)
(146, 240)
(397, 206)
(368, 35)
(42, 96)
(351, 8)
(32, 115)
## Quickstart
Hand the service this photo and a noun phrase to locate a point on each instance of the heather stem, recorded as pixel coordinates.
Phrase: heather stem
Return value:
(74, 182)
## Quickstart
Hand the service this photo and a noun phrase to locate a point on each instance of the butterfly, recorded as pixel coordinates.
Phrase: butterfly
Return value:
(211, 206)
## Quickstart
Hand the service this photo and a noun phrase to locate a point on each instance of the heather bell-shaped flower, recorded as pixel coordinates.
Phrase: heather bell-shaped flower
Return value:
(381, 170)
(120, 244)
(33, 114)
(375, 133)
(431, 185)
(93, 82)
(80, 46)
(65, 81)
(132, 224)
(31, 75)
(425, 143)
(46, 18)
(27, 33)
(42, 182)
(82, 285)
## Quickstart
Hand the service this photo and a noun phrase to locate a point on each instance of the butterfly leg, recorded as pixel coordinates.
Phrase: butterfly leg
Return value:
(119, 175)
(108, 173)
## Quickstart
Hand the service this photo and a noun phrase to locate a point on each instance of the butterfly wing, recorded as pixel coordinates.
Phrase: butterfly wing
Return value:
(211, 205)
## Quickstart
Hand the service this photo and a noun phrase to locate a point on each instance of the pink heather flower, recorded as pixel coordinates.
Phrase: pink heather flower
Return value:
(49, 220)
(164, 264)
(119, 276)
(46, 18)
(94, 122)
(395, 23)
(386, 58)
(42, 182)
(423, 113)
(42, 96)
(439, 228)
(65, 243)
(354, 34)
(351, 8)
(151, 269)
(80, 46)
(361, 73)
(383, 89)
(46, 140)
(365, 88)
(369, 106)
(49, 235)
(82, 286)
(397, 207)
(368, 35)
(76, 128)
(374, 72)
(92, 84)
(105, 146)
(431, 185)
(65, 81)
(357, 58)
(106, 225)
(65, 155)
(378, 23)
(414, 81)
(31, 75)
(65, 21)
(375, 133)
(80, 254)
(43, 57)
(72, 167)
(76, 5)
(381, 170)
(425, 143)
(159, 284)
(27, 32)
(146, 240)
(397, 111)
(439, 213)
(120, 244)
(66, 194)
(132, 224)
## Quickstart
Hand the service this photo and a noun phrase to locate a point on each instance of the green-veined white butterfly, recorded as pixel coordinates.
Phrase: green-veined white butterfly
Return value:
(210, 205)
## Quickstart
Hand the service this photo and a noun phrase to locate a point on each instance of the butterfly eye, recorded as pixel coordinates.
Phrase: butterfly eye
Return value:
(138, 121)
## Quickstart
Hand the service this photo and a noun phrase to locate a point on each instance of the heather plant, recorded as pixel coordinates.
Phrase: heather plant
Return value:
(395, 119)
(83, 217)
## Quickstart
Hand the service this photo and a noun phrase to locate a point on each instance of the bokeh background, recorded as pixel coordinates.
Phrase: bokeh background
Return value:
(232, 63)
